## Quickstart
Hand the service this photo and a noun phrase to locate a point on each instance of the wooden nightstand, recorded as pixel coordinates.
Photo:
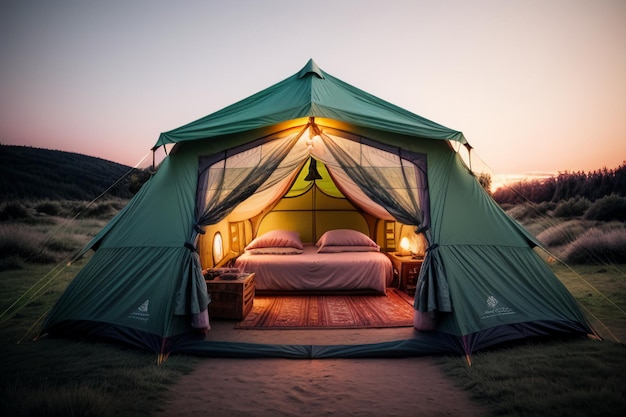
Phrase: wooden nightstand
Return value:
(231, 298)
(406, 269)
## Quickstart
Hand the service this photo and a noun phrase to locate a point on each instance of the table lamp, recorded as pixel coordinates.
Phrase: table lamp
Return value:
(405, 246)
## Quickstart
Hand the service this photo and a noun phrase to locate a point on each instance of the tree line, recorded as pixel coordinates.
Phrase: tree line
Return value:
(566, 185)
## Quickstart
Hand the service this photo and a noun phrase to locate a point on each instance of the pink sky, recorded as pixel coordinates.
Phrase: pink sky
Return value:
(535, 86)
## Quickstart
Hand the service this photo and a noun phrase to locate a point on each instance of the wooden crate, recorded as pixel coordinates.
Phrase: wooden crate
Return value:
(231, 299)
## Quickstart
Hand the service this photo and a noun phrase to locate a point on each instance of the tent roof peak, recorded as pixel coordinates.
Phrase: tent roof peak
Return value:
(311, 68)
(310, 92)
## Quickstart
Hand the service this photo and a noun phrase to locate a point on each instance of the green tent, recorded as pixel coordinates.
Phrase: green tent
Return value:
(481, 283)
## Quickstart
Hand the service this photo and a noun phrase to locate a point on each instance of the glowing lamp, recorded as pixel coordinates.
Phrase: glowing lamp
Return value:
(405, 246)
(218, 248)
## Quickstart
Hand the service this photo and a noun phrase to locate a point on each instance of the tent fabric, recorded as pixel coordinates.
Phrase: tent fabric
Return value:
(422, 345)
(310, 93)
(234, 179)
(384, 177)
(502, 285)
(481, 282)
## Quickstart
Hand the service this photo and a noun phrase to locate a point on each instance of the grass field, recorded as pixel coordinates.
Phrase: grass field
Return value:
(559, 378)
(52, 377)
(66, 377)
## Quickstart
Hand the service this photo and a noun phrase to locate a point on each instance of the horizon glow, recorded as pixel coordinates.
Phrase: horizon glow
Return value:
(534, 86)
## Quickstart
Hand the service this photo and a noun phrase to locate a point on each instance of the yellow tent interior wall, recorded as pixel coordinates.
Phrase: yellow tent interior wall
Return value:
(310, 208)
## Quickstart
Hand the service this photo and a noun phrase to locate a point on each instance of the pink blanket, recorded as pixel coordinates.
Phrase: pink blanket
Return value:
(319, 271)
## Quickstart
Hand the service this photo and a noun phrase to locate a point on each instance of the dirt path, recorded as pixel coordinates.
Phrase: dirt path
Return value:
(299, 387)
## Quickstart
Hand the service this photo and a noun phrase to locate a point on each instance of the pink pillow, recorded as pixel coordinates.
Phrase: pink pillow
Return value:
(275, 251)
(338, 249)
(277, 239)
(345, 237)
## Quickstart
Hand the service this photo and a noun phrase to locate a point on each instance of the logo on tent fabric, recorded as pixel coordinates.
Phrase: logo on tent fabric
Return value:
(141, 313)
(493, 310)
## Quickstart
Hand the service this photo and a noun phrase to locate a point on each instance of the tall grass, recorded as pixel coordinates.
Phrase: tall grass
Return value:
(49, 231)
(583, 377)
(37, 210)
(601, 292)
(550, 379)
(562, 233)
(56, 377)
(598, 246)
(69, 378)
(597, 236)
(51, 377)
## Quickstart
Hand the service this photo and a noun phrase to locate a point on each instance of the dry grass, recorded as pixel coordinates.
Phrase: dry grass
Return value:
(46, 231)
(597, 246)
(598, 236)
(66, 377)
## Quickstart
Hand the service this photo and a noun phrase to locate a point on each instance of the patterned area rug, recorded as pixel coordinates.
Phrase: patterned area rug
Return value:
(395, 309)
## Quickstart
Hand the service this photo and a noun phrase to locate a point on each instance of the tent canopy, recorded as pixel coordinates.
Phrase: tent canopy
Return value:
(309, 93)
(480, 280)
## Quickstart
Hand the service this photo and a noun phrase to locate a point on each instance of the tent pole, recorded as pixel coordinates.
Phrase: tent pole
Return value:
(163, 355)
(468, 358)
(467, 349)
(469, 155)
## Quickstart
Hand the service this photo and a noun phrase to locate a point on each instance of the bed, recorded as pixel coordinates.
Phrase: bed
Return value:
(340, 260)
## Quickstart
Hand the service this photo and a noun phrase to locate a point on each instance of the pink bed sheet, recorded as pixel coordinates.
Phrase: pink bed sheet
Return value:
(312, 271)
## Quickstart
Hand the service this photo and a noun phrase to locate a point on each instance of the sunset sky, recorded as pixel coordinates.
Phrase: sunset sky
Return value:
(535, 85)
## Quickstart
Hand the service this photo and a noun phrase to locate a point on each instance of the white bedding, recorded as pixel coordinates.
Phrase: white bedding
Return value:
(313, 271)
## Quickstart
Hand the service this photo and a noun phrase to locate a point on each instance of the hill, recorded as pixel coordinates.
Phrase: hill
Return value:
(28, 173)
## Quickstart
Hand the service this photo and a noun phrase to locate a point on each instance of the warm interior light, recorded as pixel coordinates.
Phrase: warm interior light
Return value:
(311, 140)
(218, 248)
(405, 246)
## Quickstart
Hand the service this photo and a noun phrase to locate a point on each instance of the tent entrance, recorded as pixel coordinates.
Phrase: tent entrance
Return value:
(243, 189)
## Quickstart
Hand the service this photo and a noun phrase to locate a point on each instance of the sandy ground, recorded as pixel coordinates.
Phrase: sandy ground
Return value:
(317, 387)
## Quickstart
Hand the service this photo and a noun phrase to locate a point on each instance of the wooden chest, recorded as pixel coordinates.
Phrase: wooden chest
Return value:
(231, 299)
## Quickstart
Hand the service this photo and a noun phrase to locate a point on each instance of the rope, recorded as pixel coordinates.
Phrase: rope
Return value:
(589, 284)
(604, 326)
(30, 329)
(602, 295)
(22, 300)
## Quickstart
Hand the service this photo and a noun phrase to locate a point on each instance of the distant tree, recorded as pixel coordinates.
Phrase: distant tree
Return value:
(485, 181)
(566, 185)
(610, 207)
(619, 180)
(137, 179)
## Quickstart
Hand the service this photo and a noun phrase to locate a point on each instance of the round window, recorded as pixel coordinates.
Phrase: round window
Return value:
(218, 248)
